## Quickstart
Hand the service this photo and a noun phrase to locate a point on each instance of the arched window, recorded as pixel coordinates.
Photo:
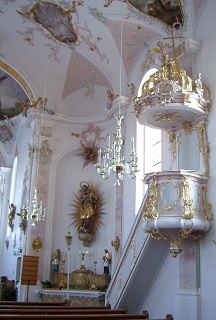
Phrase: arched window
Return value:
(149, 150)
(13, 181)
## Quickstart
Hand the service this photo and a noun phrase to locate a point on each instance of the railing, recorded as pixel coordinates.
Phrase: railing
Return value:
(132, 251)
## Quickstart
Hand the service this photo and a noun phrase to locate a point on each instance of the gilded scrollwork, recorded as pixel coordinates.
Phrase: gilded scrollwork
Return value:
(133, 250)
(207, 205)
(187, 200)
(150, 208)
(172, 141)
(164, 235)
(37, 244)
(116, 243)
(204, 146)
(188, 127)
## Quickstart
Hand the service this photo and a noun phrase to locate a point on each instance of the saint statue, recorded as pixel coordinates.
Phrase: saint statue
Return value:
(56, 258)
(106, 261)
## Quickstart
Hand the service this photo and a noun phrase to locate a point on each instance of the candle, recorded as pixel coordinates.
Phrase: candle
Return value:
(132, 143)
(108, 140)
(63, 256)
(99, 154)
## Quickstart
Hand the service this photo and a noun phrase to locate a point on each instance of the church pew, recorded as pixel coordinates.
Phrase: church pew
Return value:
(35, 303)
(59, 311)
(26, 306)
(79, 317)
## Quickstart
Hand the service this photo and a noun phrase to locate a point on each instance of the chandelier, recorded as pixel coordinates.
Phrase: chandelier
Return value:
(38, 211)
(111, 159)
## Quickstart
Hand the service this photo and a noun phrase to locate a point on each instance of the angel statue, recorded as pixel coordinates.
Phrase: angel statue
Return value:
(11, 215)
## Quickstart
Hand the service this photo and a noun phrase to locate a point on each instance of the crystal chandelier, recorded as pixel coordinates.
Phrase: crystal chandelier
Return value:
(38, 211)
(111, 159)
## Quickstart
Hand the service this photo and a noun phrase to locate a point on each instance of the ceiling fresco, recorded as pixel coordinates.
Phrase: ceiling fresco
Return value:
(167, 11)
(12, 96)
(56, 20)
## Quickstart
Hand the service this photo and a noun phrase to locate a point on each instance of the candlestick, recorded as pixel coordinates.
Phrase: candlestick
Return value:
(93, 286)
(83, 252)
(61, 284)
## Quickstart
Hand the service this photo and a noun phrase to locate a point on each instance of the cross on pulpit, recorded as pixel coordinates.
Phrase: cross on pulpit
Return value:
(173, 43)
(83, 252)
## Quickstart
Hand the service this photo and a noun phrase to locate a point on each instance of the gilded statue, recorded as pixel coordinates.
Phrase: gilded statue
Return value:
(11, 215)
(86, 216)
(106, 261)
(88, 206)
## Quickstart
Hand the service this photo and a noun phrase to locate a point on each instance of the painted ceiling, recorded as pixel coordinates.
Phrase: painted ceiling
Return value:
(74, 52)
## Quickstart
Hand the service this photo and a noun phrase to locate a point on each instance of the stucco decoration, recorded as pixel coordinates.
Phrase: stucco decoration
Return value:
(88, 139)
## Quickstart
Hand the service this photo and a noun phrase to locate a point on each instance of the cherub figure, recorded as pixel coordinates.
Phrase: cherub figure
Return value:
(163, 50)
(199, 87)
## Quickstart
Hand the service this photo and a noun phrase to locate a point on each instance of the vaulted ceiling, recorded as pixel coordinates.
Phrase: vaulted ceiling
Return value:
(70, 51)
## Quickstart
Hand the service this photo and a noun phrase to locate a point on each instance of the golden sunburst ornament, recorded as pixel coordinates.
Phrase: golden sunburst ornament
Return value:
(88, 210)
(88, 153)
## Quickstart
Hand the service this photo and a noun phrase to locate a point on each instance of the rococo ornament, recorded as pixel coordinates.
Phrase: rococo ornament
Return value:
(37, 244)
(88, 208)
(88, 139)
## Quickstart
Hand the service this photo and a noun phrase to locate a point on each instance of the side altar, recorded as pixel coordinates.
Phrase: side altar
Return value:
(85, 288)
(81, 287)
(76, 297)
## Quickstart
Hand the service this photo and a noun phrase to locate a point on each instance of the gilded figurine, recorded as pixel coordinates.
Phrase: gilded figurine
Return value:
(56, 259)
(87, 211)
(106, 261)
(11, 215)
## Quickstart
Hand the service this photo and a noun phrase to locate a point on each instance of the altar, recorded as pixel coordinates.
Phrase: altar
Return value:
(76, 297)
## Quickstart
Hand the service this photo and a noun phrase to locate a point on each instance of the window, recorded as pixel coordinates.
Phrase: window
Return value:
(149, 150)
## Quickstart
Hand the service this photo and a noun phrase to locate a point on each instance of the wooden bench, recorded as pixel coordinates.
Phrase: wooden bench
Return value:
(74, 316)
(35, 303)
(29, 307)
(79, 317)
(59, 311)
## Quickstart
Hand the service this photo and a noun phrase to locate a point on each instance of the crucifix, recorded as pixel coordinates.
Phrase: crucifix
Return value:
(173, 43)
(83, 252)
